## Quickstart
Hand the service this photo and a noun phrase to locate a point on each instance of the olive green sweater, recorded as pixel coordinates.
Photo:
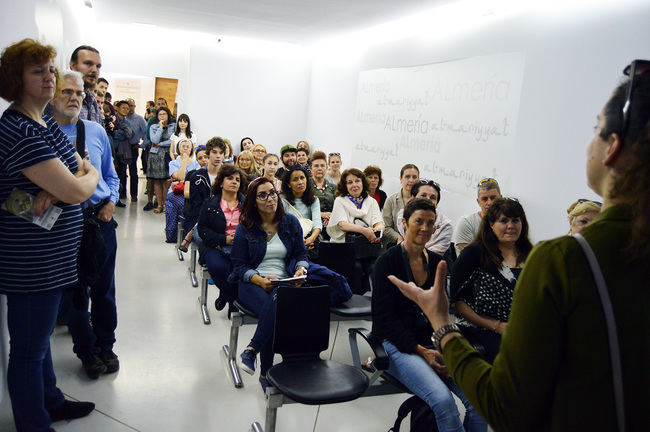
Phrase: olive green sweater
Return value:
(553, 372)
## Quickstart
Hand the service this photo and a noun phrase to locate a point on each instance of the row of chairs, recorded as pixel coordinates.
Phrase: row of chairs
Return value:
(301, 333)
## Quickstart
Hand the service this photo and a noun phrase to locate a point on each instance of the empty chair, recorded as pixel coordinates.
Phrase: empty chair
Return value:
(301, 333)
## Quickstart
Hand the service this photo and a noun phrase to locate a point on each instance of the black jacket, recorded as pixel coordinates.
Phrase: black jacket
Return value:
(212, 222)
(394, 317)
(200, 191)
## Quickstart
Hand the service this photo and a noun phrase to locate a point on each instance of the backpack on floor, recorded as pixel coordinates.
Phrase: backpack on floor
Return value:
(422, 418)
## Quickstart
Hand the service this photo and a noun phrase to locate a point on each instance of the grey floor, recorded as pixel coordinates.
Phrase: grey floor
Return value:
(173, 374)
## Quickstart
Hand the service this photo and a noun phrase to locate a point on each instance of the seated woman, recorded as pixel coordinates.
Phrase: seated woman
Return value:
(299, 200)
(178, 169)
(441, 237)
(302, 158)
(484, 275)
(405, 332)
(355, 212)
(323, 189)
(373, 175)
(304, 145)
(581, 213)
(246, 162)
(271, 163)
(268, 245)
(218, 220)
(259, 151)
(334, 172)
(183, 132)
(408, 176)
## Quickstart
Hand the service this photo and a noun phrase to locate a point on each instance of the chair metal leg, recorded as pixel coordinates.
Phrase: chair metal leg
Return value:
(179, 241)
(230, 350)
(192, 268)
(203, 298)
(256, 427)
(273, 402)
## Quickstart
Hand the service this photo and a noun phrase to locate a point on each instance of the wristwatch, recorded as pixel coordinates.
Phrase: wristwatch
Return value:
(442, 332)
(304, 269)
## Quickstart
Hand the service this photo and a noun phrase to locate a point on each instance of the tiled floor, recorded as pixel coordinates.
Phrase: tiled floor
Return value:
(173, 373)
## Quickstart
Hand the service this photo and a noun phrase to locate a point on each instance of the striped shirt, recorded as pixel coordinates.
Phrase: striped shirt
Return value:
(32, 258)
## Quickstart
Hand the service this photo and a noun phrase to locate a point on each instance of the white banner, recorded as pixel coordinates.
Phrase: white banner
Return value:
(455, 120)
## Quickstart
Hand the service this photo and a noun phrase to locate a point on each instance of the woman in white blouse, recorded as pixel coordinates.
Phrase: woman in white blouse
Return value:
(182, 132)
(354, 210)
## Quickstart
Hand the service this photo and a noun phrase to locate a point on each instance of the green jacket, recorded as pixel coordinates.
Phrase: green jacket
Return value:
(553, 372)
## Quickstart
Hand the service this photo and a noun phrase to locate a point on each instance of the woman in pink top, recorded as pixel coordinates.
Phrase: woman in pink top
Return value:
(217, 223)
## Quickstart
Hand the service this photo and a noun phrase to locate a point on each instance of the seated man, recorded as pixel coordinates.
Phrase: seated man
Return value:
(467, 227)
(288, 156)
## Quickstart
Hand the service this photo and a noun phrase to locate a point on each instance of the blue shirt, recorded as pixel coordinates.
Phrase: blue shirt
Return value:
(99, 150)
(139, 127)
(32, 258)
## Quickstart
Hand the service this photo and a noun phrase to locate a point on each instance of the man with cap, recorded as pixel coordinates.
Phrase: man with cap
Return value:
(288, 155)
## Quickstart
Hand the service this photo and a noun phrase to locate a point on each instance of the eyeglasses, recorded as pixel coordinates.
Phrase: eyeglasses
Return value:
(634, 69)
(335, 154)
(264, 196)
(487, 180)
(428, 182)
(69, 93)
(584, 200)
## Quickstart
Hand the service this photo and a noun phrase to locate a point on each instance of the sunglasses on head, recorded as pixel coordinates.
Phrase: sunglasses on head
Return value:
(584, 200)
(633, 70)
(428, 182)
(487, 180)
(335, 154)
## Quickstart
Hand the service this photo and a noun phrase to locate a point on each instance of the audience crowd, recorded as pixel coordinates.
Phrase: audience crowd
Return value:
(255, 216)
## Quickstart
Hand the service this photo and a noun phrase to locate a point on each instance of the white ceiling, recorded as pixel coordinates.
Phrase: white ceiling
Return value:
(292, 21)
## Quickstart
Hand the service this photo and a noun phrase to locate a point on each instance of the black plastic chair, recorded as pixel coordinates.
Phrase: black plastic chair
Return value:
(341, 258)
(301, 333)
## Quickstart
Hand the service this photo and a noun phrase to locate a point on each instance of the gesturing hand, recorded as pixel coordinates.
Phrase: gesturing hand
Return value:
(433, 302)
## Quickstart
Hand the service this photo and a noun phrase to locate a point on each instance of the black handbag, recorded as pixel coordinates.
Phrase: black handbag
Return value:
(362, 247)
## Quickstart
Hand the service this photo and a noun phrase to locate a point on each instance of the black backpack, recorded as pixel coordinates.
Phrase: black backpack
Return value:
(422, 418)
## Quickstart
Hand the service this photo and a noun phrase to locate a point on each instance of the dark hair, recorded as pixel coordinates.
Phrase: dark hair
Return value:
(308, 197)
(408, 166)
(250, 215)
(633, 180)
(418, 185)
(120, 103)
(163, 99)
(490, 253)
(215, 142)
(108, 96)
(304, 150)
(341, 187)
(241, 143)
(188, 131)
(75, 54)
(226, 171)
(15, 58)
(169, 113)
(318, 155)
(374, 169)
(418, 204)
(152, 103)
(100, 80)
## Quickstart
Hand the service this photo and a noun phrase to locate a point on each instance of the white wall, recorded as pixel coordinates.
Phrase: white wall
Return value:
(264, 97)
(573, 61)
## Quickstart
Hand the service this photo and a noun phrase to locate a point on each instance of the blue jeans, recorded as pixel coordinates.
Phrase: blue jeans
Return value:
(103, 312)
(220, 267)
(173, 212)
(414, 372)
(30, 377)
(263, 305)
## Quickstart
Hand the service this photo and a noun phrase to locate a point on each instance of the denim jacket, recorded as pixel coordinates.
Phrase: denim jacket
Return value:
(249, 248)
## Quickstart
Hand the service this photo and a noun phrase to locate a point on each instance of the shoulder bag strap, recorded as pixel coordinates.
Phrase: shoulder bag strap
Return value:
(614, 350)
(81, 138)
